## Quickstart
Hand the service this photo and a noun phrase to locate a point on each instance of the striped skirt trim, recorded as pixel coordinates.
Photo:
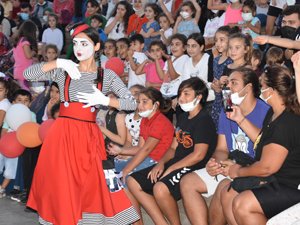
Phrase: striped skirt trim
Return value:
(125, 217)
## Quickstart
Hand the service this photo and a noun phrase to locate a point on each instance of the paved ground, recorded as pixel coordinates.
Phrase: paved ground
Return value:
(12, 213)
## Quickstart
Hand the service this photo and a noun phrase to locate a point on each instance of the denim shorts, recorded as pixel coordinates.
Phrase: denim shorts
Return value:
(121, 163)
(10, 165)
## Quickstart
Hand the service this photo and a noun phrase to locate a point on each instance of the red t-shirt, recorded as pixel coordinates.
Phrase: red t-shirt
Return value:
(159, 127)
(135, 23)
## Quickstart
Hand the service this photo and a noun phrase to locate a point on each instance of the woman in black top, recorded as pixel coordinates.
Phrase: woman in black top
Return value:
(277, 153)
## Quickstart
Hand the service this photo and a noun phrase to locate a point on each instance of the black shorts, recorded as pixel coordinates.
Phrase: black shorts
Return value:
(274, 11)
(171, 180)
(274, 201)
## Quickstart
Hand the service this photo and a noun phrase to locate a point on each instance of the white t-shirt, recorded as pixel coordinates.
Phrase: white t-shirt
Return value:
(279, 3)
(212, 26)
(54, 36)
(110, 8)
(168, 4)
(5, 27)
(178, 64)
(170, 89)
(113, 34)
(262, 10)
(199, 70)
(4, 104)
(139, 58)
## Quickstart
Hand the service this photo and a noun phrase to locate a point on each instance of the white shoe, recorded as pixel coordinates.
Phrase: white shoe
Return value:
(2, 192)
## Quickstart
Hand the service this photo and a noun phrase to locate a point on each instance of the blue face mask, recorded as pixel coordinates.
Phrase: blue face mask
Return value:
(24, 16)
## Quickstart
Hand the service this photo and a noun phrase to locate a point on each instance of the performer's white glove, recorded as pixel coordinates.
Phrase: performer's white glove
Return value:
(96, 98)
(70, 67)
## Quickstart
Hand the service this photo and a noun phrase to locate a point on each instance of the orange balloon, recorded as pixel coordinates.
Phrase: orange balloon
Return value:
(28, 135)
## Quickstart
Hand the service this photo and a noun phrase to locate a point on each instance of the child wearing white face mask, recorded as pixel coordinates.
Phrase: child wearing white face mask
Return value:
(187, 18)
(250, 25)
(233, 11)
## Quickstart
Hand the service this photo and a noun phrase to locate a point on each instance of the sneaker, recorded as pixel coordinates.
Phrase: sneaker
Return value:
(18, 197)
(14, 192)
(2, 192)
(24, 199)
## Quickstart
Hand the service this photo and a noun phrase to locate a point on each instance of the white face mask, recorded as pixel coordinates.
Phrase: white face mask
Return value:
(234, 1)
(184, 15)
(83, 48)
(215, 11)
(236, 99)
(146, 113)
(190, 106)
(247, 16)
(262, 97)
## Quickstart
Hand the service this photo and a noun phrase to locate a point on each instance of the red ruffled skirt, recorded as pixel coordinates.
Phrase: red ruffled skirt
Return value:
(69, 186)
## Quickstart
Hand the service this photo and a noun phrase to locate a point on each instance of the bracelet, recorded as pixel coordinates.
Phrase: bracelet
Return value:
(239, 123)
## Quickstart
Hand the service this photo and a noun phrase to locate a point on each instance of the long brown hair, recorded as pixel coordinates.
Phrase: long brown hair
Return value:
(280, 79)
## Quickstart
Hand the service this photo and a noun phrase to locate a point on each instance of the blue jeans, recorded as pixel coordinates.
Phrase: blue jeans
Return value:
(121, 163)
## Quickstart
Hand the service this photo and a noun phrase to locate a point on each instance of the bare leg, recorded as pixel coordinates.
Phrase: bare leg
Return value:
(136, 205)
(247, 210)
(5, 183)
(216, 215)
(270, 25)
(147, 201)
(166, 203)
(191, 187)
(226, 201)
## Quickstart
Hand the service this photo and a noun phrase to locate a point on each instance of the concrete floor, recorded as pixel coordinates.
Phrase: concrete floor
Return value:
(12, 213)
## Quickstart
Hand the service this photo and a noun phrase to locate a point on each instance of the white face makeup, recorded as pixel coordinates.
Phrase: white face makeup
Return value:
(83, 48)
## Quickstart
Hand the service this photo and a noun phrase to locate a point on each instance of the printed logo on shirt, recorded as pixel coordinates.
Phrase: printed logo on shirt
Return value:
(240, 141)
(184, 138)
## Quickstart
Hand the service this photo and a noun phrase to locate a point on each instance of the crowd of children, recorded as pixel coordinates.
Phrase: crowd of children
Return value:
(175, 135)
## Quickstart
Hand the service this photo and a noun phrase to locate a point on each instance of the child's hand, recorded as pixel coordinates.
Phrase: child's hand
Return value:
(113, 149)
(216, 86)
(166, 55)
(179, 19)
(223, 80)
(261, 40)
(130, 53)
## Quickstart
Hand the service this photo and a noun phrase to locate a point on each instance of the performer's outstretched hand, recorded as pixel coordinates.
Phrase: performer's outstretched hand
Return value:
(96, 98)
(70, 67)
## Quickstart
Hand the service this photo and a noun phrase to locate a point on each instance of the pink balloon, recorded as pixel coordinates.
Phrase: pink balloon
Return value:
(44, 128)
(10, 146)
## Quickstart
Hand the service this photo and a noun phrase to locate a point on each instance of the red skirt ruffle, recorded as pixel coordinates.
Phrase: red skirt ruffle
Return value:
(69, 185)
